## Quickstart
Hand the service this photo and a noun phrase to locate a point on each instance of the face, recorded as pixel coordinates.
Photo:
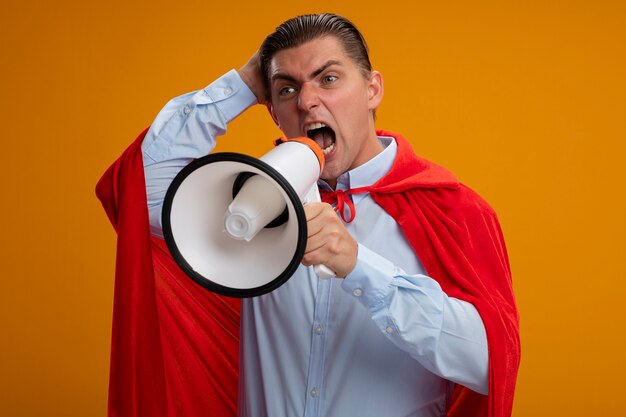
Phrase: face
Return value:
(318, 91)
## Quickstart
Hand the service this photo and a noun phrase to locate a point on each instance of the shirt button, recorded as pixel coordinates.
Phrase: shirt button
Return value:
(319, 330)
(228, 91)
(357, 292)
(186, 110)
(389, 329)
(314, 392)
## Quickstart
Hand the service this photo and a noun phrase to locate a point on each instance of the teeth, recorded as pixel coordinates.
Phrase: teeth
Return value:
(316, 125)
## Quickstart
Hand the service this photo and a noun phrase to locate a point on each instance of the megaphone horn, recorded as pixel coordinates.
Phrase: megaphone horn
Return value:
(236, 224)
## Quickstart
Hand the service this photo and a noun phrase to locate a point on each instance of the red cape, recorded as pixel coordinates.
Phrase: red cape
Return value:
(456, 235)
(175, 345)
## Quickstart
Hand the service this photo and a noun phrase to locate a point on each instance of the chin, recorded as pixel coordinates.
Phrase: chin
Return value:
(330, 176)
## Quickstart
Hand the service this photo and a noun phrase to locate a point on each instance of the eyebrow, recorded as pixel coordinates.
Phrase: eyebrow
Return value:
(324, 67)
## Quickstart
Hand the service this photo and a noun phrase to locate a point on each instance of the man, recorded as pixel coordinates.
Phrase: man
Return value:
(421, 320)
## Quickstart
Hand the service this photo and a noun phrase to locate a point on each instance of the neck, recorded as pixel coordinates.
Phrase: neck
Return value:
(370, 149)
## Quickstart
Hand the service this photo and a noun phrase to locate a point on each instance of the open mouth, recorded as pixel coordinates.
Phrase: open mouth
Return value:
(323, 135)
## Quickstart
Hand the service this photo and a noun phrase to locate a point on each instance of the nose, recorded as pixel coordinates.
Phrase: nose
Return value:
(308, 98)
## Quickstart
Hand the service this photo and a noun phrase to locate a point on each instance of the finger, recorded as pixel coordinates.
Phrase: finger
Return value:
(315, 243)
(337, 254)
(319, 216)
(327, 243)
(313, 210)
(319, 245)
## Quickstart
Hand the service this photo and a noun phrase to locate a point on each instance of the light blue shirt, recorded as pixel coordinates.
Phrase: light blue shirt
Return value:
(384, 341)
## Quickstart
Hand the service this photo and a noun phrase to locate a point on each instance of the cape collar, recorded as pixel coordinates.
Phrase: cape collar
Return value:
(407, 172)
(410, 171)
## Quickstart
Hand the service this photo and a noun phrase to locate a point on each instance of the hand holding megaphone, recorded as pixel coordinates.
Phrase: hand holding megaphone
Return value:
(321, 270)
(329, 241)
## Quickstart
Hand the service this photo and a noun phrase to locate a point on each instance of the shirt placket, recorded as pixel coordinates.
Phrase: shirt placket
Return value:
(319, 329)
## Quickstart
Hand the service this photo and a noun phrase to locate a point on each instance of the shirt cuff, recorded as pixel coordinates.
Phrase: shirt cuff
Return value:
(371, 279)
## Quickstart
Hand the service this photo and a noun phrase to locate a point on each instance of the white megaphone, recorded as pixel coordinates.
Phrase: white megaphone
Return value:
(236, 224)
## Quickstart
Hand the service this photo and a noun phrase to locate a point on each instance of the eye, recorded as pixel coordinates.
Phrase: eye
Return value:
(329, 79)
(285, 91)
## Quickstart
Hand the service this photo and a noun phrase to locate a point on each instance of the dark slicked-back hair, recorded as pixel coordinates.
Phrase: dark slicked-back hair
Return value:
(299, 30)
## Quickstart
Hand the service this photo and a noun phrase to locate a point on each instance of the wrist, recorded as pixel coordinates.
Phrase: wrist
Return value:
(251, 75)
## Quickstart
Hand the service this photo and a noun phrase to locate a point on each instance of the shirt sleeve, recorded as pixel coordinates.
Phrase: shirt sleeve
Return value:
(446, 335)
(185, 129)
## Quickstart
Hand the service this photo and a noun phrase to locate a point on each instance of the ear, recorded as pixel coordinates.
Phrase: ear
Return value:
(375, 90)
(270, 109)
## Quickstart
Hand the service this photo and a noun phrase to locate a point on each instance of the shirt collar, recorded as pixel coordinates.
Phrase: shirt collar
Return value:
(369, 172)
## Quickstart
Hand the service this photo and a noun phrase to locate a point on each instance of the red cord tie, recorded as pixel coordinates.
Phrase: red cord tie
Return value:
(340, 198)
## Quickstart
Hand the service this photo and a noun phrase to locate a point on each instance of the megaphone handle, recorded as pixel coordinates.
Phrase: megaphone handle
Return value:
(322, 271)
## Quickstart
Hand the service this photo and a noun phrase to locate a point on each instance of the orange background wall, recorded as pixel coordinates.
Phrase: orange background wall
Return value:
(525, 102)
